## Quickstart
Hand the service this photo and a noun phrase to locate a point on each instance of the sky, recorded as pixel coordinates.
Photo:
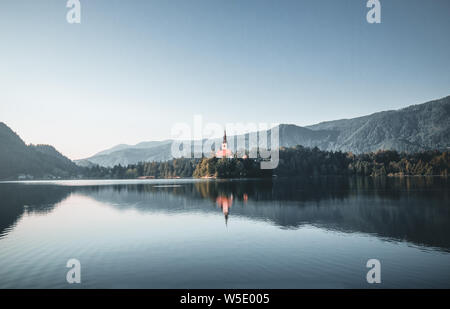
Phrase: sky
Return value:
(131, 70)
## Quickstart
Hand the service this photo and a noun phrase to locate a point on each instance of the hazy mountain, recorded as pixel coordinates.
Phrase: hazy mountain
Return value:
(130, 156)
(142, 145)
(415, 128)
(17, 158)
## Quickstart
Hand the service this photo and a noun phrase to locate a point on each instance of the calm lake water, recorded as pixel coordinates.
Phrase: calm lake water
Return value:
(298, 233)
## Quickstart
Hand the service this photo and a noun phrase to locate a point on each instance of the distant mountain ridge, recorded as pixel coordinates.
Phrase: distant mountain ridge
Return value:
(142, 145)
(415, 128)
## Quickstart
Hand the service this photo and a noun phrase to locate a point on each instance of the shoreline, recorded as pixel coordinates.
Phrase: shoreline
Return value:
(216, 178)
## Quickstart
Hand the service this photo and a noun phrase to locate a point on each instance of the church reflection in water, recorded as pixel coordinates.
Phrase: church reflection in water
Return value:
(225, 202)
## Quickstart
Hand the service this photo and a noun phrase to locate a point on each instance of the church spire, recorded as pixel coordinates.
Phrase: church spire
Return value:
(224, 136)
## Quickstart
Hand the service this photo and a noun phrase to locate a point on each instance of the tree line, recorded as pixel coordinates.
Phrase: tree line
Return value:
(293, 161)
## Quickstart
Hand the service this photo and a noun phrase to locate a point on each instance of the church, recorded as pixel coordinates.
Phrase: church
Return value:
(224, 152)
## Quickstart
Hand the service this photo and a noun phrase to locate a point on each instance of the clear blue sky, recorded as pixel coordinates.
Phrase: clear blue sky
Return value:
(132, 69)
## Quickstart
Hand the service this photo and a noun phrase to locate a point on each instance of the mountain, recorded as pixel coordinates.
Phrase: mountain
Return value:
(415, 128)
(411, 129)
(38, 161)
(158, 152)
(142, 145)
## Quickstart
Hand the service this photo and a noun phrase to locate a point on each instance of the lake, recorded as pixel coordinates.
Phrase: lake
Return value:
(186, 233)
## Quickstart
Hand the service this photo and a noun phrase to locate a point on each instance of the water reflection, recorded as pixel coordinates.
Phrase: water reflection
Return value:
(225, 203)
(415, 210)
(16, 200)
